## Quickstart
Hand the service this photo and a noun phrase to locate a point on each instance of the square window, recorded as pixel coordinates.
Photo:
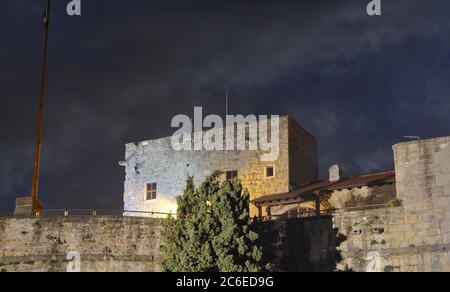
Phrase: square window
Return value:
(152, 189)
(231, 174)
(270, 171)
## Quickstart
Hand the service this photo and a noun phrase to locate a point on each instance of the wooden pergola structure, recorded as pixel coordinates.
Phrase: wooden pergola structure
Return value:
(315, 192)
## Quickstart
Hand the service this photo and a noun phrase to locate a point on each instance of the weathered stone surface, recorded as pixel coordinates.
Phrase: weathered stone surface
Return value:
(104, 243)
(157, 162)
(299, 245)
(415, 236)
(411, 238)
(422, 173)
(27, 206)
(370, 195)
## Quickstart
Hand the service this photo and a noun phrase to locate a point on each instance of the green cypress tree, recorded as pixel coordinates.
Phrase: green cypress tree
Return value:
(212, 231)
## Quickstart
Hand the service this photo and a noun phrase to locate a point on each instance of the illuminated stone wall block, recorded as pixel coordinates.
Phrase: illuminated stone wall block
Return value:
(156, 164)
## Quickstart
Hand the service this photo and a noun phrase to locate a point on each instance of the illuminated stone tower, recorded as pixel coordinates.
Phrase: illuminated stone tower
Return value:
(156, 174)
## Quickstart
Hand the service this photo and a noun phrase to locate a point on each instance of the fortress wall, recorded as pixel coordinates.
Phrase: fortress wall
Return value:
(415, 237)
(388, 240)
(104, 243)
(423, 184)
(423, 175)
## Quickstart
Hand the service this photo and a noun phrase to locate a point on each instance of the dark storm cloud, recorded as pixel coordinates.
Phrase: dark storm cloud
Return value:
(123, 69)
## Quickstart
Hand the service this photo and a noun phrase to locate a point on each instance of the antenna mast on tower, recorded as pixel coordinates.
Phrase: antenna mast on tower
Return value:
(226, 102)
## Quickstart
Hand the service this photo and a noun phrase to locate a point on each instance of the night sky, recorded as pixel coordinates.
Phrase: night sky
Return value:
(123, 69)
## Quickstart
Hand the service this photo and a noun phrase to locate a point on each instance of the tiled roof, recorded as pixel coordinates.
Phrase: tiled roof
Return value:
(365, 180)
(307, 192)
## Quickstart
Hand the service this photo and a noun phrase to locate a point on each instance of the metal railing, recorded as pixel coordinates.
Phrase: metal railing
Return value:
(94, 213)
(296, 215)
(149, 214)
(4, 215)
(314, 213)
